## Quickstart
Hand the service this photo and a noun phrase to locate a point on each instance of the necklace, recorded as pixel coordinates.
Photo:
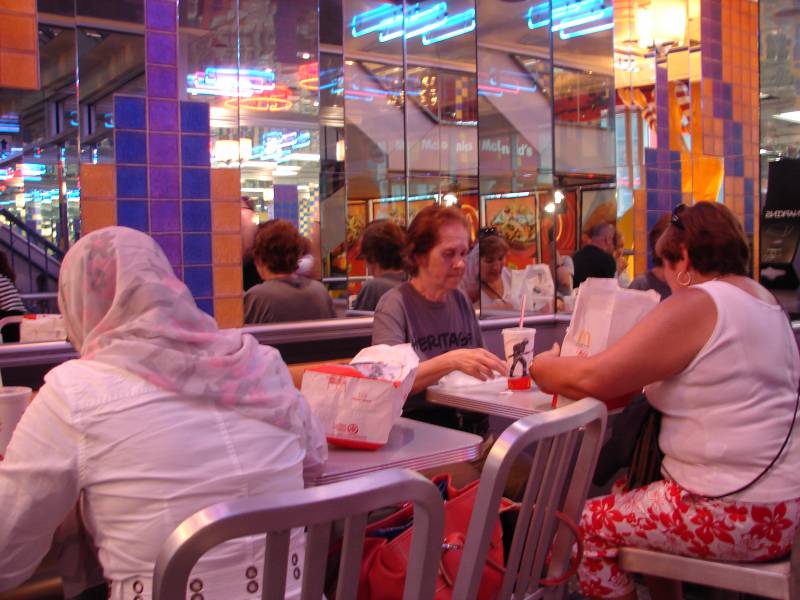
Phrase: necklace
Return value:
(492, 290)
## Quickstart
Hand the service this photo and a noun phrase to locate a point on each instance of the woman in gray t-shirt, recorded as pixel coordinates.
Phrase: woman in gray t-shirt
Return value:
(431, 313)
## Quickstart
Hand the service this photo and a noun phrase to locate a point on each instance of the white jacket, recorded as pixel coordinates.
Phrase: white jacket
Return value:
(146, 460)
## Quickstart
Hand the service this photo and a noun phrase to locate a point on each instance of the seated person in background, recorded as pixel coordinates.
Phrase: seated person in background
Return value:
(493, 250)
(284, 295)
(622, 261)
(249, 221)
(596, 258)
(163, 415)
(721, 364)
(382, 247)
(432, 314)
(310, 263)
(654, 279)
(10, 301)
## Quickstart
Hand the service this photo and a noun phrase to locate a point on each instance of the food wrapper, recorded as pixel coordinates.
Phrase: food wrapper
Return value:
(359, 403)
(42, 328)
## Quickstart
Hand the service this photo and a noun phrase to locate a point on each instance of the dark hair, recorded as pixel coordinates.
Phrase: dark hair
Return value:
(713, 238)
(383, 243)
(653, 236)
(5, 268)
(278, 246)
(423, 233)
(493, 246)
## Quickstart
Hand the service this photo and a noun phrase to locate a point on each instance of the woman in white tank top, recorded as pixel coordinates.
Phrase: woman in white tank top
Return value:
(719, 360)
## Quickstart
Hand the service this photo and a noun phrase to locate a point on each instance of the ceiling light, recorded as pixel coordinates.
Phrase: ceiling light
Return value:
(558, 196)
(450, 199)
(550, 208)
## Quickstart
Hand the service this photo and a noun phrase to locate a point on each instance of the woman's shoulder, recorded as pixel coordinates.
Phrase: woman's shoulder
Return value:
(86, 378)
(393, 300)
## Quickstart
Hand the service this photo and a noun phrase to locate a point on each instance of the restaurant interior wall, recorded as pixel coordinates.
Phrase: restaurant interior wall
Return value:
(340, 113)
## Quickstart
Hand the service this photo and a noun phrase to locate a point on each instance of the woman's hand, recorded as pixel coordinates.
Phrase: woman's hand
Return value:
(538, 367)
(477, 362)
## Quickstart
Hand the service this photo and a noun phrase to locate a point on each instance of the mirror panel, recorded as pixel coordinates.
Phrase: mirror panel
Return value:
(374, 129)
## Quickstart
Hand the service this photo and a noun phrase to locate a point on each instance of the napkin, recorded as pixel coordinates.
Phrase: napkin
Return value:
(458, 379)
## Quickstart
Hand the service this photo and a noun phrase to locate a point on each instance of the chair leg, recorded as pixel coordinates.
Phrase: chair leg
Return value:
(662, 588)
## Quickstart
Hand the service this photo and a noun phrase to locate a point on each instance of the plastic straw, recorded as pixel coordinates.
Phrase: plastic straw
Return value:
(522, 311)
(554, 403)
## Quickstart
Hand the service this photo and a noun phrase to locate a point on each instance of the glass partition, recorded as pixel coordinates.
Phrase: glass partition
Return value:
(374, 128)
(38, 144)
(515, 131)
(504, 109)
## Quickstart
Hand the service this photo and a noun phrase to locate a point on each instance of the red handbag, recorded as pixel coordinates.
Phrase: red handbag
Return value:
(383, 568)
(385, 561)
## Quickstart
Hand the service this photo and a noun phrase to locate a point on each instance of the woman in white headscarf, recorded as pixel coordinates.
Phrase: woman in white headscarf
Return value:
(162, 415)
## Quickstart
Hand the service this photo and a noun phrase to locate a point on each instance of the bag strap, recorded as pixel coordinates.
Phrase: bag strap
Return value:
(783, 445)
(575, 561)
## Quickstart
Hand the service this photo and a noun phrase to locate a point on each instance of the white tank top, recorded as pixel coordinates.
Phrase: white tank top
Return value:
(726, 415)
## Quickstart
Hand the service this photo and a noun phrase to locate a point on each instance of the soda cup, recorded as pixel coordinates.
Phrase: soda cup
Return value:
(13, 402)
(518, 350)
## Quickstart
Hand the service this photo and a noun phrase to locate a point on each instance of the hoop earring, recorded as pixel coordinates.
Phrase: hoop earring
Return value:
(685, 283)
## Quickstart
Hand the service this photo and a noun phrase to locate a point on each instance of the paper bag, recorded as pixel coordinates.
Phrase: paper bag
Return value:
(359, 403)
(604, 312)
(42, 328)
(534, 282)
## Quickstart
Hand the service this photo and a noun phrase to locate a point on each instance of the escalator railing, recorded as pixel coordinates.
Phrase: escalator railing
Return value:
(35, 260)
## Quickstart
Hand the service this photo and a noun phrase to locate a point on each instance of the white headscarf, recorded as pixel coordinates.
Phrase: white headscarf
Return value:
(123, 306)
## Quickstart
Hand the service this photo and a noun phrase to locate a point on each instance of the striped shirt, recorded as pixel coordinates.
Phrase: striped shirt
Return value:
(10, 300)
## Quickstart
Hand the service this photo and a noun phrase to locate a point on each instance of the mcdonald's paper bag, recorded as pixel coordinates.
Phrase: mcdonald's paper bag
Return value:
(604, 312)
(535, 284)
(359, 403)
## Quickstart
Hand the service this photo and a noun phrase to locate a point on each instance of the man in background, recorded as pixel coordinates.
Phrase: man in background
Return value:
(596, 258)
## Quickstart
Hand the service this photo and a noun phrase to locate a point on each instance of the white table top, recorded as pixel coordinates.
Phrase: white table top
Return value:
(412, 445)
(494, 399)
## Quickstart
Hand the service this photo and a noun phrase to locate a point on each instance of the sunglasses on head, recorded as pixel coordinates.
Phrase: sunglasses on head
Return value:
(676, 217)
(486, 232)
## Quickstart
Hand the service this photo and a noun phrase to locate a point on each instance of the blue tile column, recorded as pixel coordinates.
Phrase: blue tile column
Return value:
(179, 206)
(130, 149)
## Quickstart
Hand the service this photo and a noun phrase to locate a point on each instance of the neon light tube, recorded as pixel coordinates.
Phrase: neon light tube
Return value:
(590, 18)
(376, 19)
(468, 17)
(587, 31)
(418, 20)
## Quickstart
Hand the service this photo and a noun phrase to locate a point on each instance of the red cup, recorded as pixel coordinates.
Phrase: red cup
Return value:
(519, 383)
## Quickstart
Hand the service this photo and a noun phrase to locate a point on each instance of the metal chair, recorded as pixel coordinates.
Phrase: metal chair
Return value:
(771, 580)
(314, 508)
(567, 444)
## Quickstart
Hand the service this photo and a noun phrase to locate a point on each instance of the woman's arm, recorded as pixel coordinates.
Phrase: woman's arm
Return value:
(659, 346)
(38, 485)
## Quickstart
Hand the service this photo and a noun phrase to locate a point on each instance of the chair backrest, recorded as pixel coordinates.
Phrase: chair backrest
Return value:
(314, 508)
(567, 442)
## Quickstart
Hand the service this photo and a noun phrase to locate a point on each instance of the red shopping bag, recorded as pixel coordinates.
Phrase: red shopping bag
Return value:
(385, 562)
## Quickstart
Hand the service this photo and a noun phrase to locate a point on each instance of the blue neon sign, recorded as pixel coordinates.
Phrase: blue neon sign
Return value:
(430, 21)
(277, 146)
(570, 18)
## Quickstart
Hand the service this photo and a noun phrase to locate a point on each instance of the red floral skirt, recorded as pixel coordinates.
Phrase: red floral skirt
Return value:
(663, 516)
